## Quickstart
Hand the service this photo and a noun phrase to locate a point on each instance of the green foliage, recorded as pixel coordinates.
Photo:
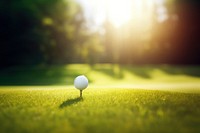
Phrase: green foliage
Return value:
(58, 109)
(40, 31)
(92, 50)
(56, 32)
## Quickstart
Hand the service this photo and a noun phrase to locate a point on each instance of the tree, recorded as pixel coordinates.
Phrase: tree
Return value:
(39, 31)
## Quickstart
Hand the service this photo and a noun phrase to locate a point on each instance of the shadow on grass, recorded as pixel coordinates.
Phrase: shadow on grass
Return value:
(117, 71)
(144, 71)
(140, 71)
(112, 70)
(70, 102)
(193, 71)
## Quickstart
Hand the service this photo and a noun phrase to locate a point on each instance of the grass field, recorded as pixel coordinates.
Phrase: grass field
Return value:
(100, 111)
(103, 75)
(140, 99)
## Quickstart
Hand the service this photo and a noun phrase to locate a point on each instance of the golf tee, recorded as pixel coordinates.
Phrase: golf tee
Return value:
(81, 93)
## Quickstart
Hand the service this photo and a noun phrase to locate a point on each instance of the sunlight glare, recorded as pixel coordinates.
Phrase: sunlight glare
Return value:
(120, 12)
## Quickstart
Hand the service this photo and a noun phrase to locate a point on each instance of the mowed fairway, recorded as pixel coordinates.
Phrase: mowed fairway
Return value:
(119, 99)
(103, 75)
(57, 109)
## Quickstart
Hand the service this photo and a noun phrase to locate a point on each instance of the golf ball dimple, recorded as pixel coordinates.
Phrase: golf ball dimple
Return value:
(81, 82)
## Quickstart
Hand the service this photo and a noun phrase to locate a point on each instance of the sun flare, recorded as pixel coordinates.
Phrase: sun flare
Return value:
(119, 12)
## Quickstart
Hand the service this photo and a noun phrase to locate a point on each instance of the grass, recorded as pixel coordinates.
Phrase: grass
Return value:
(101, 75)
(120, 98)
(99, 111)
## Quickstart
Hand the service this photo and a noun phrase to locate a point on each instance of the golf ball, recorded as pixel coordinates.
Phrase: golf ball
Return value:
(81, 82)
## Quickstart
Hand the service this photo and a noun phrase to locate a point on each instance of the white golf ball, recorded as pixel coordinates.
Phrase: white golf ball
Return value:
(81, 82)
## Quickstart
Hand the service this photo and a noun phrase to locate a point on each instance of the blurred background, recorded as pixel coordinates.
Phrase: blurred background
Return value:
(38, 34)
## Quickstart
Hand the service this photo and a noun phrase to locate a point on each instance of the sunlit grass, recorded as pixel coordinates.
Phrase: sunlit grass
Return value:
(102, 75)
(58, 109)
